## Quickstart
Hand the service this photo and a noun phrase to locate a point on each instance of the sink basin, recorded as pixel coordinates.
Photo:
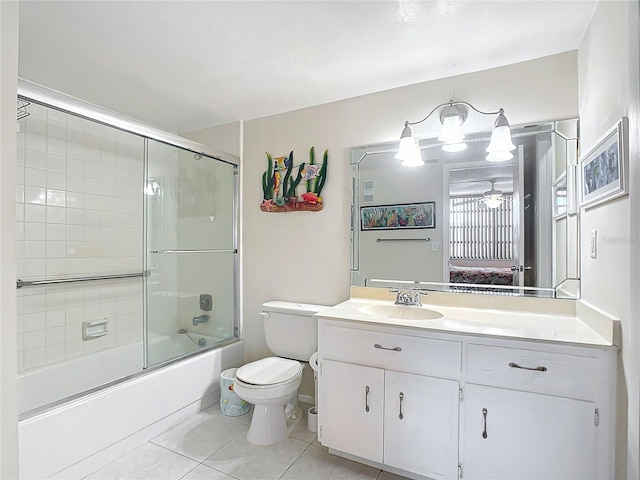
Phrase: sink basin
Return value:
(401, 312)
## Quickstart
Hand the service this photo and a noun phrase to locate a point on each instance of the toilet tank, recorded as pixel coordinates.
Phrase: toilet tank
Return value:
(290, 329)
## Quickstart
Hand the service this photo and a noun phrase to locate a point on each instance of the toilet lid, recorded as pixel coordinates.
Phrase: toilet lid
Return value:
(268, 371)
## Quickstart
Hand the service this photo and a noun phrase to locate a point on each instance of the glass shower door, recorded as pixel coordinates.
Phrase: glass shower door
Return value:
(190, 294)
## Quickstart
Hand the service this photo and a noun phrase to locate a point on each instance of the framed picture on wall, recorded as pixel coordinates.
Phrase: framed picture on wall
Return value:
(404, 216)
(603, 170)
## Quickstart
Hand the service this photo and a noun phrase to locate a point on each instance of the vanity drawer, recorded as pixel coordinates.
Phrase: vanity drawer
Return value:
(423, 356)
(532, 370)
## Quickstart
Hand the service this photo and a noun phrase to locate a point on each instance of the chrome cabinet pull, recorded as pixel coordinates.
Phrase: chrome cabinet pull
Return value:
(395, 349)
(366, 399)
(401, 397)
(484, 414)
(536, 369)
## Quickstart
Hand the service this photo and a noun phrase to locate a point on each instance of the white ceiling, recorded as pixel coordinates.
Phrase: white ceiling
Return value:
(185, 65)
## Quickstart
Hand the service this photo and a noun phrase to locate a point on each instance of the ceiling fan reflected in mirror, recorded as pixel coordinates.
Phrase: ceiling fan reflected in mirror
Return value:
(493, 198)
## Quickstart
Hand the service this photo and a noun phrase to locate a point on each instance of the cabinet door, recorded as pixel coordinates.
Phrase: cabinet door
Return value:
(421, 424)
(351, 408)
(515, 435)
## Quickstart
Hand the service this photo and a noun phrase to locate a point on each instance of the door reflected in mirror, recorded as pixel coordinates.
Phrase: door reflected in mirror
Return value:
(504, 227)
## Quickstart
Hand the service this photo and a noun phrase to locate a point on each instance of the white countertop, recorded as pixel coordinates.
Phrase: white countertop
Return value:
(554, 327)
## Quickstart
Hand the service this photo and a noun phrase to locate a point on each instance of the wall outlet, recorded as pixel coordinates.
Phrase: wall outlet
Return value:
(593, 244)
(435, 246)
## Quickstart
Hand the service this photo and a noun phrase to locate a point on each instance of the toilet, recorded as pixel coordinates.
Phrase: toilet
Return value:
(271, 384)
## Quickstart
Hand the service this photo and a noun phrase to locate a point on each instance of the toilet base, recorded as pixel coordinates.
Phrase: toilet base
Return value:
(271, 425)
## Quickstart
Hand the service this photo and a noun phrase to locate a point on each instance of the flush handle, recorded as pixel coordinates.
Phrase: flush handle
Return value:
(366, 399)
(484, 414)
(401, 398)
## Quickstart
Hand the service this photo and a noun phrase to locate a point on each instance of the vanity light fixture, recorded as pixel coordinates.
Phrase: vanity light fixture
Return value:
(452, 116)
(413, 157)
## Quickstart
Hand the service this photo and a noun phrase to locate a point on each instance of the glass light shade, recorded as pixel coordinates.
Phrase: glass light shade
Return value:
(416, 158)
(454, 147)
(406, 149)
(500, 140)
(493, 200)
(452, 130)
(499, 156)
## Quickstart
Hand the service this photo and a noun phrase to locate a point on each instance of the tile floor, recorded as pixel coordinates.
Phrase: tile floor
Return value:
(211, 446)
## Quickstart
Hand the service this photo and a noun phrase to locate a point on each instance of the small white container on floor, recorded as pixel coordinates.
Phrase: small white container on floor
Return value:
(312, 419)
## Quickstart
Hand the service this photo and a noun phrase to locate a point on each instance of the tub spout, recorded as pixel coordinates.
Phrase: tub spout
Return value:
(200, 319)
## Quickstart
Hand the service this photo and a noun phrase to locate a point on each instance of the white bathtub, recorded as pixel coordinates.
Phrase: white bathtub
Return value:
(79, 437)
(49, 384)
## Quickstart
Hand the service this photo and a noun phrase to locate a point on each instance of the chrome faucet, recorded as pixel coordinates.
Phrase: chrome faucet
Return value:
(408, 297)
(200, 319)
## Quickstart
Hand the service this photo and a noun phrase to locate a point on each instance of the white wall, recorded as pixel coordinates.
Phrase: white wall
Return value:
(304, 256)
(608, 63)
(8, 90)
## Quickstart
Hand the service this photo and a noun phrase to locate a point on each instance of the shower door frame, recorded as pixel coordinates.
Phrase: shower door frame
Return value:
(66, 104)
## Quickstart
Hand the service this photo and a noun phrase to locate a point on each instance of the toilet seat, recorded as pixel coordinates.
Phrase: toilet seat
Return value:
(269, 372)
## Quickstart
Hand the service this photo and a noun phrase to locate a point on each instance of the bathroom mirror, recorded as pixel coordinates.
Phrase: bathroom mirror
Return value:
(461, 223)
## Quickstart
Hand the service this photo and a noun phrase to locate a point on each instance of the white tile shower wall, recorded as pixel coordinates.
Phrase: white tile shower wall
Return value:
(79, 213)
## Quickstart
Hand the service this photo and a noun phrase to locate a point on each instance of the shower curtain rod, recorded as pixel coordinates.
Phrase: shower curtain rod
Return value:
(33, 283)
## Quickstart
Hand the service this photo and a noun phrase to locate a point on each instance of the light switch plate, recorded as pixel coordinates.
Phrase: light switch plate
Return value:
(435, 246)
(593, 244)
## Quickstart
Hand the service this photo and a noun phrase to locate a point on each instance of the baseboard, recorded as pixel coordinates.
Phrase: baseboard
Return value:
(102, 458)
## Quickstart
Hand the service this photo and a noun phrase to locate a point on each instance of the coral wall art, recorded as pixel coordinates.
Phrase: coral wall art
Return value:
(282, 179)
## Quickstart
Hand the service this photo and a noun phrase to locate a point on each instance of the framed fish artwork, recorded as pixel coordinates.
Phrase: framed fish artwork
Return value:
(404, 216)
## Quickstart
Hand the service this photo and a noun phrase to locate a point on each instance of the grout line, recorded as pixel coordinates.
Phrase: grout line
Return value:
(295, 460)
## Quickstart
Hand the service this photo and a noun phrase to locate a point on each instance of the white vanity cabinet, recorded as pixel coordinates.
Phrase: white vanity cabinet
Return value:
(510, 435)
(381, 399)
(452, 405)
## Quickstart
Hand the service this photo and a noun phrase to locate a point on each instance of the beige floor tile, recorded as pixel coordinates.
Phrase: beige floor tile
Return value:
(317, 464)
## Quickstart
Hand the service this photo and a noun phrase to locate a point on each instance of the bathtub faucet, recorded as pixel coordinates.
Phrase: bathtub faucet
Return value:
(200, 319)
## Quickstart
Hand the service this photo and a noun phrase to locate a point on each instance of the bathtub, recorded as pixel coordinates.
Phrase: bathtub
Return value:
(45, 385)
(80, 436)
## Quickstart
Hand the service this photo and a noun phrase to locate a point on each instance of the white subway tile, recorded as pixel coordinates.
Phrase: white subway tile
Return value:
(57, 163)
(108, 174)
(57, 180)
(56, 303)
(55, 250)
(34, 322)
(75, 183)
(55, 267)
(35, 249)
(20, 212)
(92, 201)
(109, 157)
(75, 200)
(91, 185)
(35, 339)
(56, 215)
(56, 146)
(75, 266)
(35, 231)
(19, 231)
(34, 213)
(108, 204)
(34, 358)
(20, 342)
(55, 335)
(75, 134)
(74, 297)
(35, 124)
(35, 159)
(73, 349)
(20, 175)
(36, 141)
(57, 129)
(75, 315)
(35, 195)
(20, 361)
(92, 170)
(75, 150)
(75, 166)
(74, 249)
(20, 155)
(34, 268)
(20, 323)
(73, 331)
(92, 233)
(19, 248)
(39, 110)
(55, 353)
(75, 233)
(35, 177)
(75, 216)
(34, 303)
(56, 198)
